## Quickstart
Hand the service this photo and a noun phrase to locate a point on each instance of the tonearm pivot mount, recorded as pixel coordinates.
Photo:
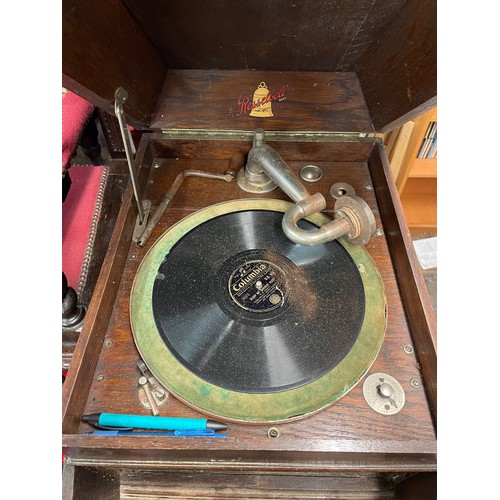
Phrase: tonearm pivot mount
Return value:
(265, 170)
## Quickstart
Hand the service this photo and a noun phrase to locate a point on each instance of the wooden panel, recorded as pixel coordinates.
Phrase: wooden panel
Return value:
(399, 77)
(419, 130)
(424, 167)
(397, 154)
(173, 485)
(330, 440)
(82, 483)
(411, 282)
(423, 485)
(103, 49)
(282, 35)
(221, 149)
(195, 99)
(420, 211)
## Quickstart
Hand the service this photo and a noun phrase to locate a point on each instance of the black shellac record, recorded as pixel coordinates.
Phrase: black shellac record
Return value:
(246, 309)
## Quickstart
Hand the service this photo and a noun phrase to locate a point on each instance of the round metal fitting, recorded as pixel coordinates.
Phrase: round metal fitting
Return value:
(273, 432)
(414, 382)
(408, 349)
(359, 215)
(311, 173)
(254, 183)
(341, 189)
(384, 393)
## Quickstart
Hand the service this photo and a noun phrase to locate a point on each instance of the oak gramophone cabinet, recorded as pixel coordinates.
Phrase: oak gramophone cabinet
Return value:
(323, 80)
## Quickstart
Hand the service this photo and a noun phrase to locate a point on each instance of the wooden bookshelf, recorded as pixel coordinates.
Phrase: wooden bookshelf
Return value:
(416, 178)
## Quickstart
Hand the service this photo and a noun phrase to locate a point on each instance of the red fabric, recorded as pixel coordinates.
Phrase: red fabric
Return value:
(75, 113)
(77, 212)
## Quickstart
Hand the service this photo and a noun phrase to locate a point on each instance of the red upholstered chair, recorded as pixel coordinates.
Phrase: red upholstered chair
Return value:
(78, 130)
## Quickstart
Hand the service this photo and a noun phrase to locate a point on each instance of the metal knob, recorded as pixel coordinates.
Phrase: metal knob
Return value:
(385, 390)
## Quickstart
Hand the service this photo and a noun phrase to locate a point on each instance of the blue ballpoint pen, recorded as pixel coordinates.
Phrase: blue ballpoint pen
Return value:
(120, 421)
(186, 433)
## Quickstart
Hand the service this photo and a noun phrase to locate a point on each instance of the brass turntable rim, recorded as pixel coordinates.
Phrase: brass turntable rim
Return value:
(251, 407)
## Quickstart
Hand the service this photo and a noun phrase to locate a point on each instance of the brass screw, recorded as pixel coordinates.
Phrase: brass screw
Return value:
(408, 349)
(414, 382)
(273, 432)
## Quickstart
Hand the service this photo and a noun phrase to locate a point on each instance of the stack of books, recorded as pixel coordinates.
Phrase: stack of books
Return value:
(428, 148)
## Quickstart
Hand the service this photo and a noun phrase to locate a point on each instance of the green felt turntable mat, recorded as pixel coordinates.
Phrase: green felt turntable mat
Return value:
(177, 351)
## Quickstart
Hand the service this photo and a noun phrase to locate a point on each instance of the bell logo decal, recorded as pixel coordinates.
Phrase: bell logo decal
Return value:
(260, 105)
(263, 107)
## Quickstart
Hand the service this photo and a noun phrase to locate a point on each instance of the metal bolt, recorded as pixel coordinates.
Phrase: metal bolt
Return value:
(273, 432)
(408, 349)
(379, 232)
(369, 187)
(100, 377)
(414, 382)
(108, 343)
(133, 256)
(156, 165)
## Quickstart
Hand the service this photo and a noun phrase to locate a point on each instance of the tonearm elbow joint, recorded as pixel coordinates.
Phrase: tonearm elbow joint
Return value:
(265, 170)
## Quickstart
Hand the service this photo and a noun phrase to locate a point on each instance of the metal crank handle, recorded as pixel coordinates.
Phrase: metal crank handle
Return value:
(153, 221)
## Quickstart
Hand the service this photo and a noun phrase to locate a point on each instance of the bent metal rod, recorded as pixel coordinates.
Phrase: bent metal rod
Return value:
(170, 195)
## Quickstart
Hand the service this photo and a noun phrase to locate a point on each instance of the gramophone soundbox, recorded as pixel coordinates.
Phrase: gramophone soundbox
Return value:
(313, 356)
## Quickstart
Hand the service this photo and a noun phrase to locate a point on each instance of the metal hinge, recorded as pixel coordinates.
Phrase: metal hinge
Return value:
(143, 206)
(271, 135)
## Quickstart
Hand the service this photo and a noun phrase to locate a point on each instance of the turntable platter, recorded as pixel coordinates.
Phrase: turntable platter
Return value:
(240, 322)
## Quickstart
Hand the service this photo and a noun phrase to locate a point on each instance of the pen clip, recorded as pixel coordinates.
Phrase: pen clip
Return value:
(194, 432)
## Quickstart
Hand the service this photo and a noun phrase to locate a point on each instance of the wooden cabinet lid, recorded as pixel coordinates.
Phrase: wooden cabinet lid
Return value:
(347, 67)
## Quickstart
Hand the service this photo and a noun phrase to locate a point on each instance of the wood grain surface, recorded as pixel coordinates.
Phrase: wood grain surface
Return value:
(399, 78)
(283, 35)
(348, 434)
(103, 48)
(311, 101)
